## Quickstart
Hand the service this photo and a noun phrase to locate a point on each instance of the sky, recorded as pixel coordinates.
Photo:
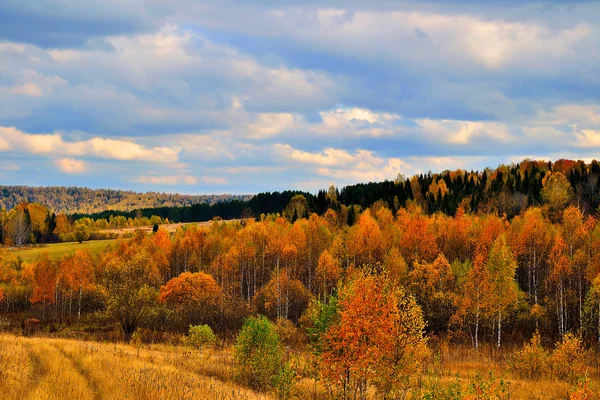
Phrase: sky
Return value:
(236, 96)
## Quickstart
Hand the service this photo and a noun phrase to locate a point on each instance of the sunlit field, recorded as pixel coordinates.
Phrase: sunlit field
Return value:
(57, 250)
(51, 368)
(42, 368)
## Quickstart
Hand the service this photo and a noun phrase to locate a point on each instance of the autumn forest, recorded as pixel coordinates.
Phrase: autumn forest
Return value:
(477, 285)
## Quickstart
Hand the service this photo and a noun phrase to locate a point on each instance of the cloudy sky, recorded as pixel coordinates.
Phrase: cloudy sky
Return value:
(246, 96)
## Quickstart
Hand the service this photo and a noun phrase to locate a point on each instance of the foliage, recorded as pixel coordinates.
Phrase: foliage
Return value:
(378, 338)
(487, 388)
(129, 284)
(82, 233)
(200, 336)
(257, 353)
(582, 390)
(532, 360)
(569, 358)
(194, 296)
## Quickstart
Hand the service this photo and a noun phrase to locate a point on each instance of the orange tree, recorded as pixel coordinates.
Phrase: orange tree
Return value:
(376, 340)
(194, 297)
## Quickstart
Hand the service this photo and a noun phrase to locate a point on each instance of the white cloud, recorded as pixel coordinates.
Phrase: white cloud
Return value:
(117, 149)
(362, 166)
(126, 150)
(4, 145)
(588, 138)
(462, 132)
(269, 124)
(358, 121)
(329, 157)
(428, 38)
(71, 165)
(587, 115)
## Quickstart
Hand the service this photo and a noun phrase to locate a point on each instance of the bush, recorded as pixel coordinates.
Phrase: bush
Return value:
(568, 358)
(531, 361)
(257, 354)
(200, 336)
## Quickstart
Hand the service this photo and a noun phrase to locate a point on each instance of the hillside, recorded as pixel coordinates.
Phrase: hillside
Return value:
(84, 200)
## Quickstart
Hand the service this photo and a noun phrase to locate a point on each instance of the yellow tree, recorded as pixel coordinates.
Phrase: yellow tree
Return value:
(434, 288)
(529, 239)
(327, 275)
(129, 283)
(366, 240)
(395, 266)
(576, 235)
(417, 243)
(471, 305)
(503, 290)
(561, 270)
(78, 271)
(62, 224)
(557, 192)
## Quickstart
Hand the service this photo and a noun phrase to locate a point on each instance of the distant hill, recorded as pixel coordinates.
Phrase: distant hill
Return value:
(86, 201)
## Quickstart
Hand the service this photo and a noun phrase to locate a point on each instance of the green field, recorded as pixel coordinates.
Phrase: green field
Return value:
(56, 250)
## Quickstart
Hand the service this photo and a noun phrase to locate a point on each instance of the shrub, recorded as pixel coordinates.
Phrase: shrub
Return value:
(200, 336)
(531, 361)
(568, 358)
(257, 353)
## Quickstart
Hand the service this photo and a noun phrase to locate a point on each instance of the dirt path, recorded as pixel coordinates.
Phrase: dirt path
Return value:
(54, 376)
(82, 370)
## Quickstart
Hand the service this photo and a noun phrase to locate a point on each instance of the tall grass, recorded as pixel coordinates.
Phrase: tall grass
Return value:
(41, 368)
(53, 368)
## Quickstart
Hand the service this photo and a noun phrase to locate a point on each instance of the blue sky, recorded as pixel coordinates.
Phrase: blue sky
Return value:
(242, 97)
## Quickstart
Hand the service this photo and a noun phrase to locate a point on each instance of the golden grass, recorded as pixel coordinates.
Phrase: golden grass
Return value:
(42, 368)
(51, 368)
(462, 362)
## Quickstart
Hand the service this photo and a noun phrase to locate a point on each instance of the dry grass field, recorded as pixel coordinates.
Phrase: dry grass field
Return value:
(43, 368)
(51, 368)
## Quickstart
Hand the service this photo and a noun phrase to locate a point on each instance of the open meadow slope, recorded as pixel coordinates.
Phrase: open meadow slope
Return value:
(57, 250)
(53, 368)
(40, 368)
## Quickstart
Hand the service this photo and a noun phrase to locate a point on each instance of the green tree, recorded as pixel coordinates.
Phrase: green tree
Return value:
(257, 353)
(200, 336)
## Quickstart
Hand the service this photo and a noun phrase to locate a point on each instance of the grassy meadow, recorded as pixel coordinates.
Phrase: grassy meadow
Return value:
(57, 250)
(43, 368)
(56, 368)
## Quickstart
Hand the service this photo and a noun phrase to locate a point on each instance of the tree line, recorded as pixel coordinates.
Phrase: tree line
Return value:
(34, 223)
(508, 189)
(474, 275)
(71, 200)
